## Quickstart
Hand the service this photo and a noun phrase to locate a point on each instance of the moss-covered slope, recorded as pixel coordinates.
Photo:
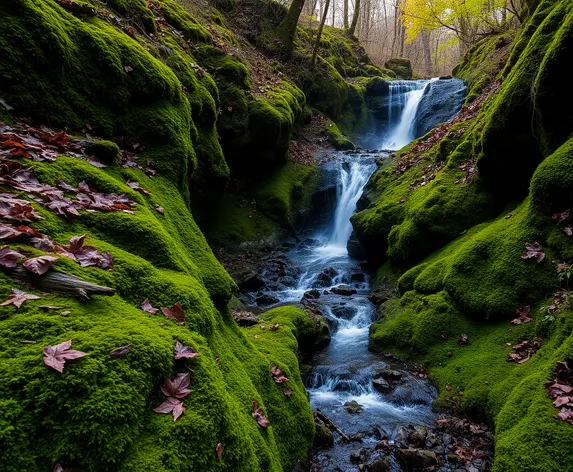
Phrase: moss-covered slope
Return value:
(451, 215)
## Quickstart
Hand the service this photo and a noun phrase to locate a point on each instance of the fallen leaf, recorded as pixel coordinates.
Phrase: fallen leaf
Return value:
(175, 312)
(56, 356)
(9, 258)
(522, 317)
(137, 187)
(160, 210)
(278, 375)
(259, 415)
(219, 451)
(8, 232)
(533, 251)
(463, 340)
(18, 297)
(287, 392)
(40, 265)
(177, 387)
(171, 405)
(184, 352)
(120, 351)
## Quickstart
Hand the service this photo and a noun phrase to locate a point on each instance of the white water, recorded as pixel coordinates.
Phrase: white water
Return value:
(344, 370)
(404, 98)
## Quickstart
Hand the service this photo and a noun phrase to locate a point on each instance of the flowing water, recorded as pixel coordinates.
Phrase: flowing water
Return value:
(344, 370)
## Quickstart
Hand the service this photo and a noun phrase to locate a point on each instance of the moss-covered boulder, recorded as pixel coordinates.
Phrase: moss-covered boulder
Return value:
(401, 67)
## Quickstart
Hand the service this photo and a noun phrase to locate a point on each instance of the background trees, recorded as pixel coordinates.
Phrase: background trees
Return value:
(433, 34)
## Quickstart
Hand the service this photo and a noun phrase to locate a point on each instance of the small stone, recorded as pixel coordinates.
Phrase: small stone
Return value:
(344, 290)
(382, 385)
(359, 456)
(381, 464)
(311, 294)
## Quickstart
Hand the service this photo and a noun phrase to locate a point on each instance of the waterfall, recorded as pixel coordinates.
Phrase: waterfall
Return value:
(353, 177)
(403, 100)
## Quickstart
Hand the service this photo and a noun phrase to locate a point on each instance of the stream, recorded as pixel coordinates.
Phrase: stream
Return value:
(368, 396)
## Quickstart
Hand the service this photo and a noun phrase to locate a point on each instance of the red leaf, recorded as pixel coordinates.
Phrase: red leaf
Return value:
(171, 405)
(177, 387)
(175, 312)
(463, 340)
(522, 313)
(184, 352)
(146, 306)
(40, 265)
(9, 258)
(18, 297)
(120, 351)
(56, 356)
(277, 375)
(287, 392)
(259, 415)
(8, 232)
(138, 188)
(219, 451)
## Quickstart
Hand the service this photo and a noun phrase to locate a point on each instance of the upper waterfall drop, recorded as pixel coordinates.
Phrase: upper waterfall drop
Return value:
(403, 100)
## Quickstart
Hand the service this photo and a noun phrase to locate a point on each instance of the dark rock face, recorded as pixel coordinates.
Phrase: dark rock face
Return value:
(355, 249)
(266, 299)
(442, 99)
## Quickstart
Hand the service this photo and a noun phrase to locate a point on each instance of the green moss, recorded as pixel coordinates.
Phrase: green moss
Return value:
(106, 151)
(401, 67)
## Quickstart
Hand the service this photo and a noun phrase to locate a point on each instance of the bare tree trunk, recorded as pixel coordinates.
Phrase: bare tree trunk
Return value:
(427, 52)
(352, 28)
(345, 14)
(320, 28)
(333, 12)
(286, 31)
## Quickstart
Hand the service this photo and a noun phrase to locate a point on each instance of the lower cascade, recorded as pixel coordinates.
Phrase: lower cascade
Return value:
(363, 393)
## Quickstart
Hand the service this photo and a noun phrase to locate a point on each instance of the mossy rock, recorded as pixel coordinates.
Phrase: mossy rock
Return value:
(401, 67)
(106, 151)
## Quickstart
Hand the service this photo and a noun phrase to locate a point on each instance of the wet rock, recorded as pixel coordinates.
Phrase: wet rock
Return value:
(359, 456)
(266, 299)
(245, 318)
(288, 281)
(380, 464)
(344, 290)
(355, 248)
(378, 298)
(311, 294)
(413, 390)
(418, 436)
(323, 280)
(389, 375)
(330, 271)
(324, 437)
(382, 385)
(416, 459)
(353, 407)
(250, 282)
(342, 311)
(358, 277)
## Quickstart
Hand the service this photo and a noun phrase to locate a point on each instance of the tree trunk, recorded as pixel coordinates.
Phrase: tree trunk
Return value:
(352, 28)
(427, 52)
(320, 28)
(345, 14)
(286, 31)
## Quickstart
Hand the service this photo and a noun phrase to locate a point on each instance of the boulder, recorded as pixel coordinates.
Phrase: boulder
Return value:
(323, 280)
(323, 438)
(344, 290)
(382, 385)
(389, 374)
(402, 67)
(442, 99)
(355, 248)
(250, 282)
(380, 464)
(416, 459)
(353, 407)
(358, 277)
(266, 299)
(359, 456)
(311, 294)
(245, 318)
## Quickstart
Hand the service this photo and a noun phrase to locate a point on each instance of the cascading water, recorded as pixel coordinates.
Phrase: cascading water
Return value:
(403, 99)
(345, 370)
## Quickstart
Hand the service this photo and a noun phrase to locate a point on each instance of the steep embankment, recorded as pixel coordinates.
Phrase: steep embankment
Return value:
(453, 213)
(185, 101)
